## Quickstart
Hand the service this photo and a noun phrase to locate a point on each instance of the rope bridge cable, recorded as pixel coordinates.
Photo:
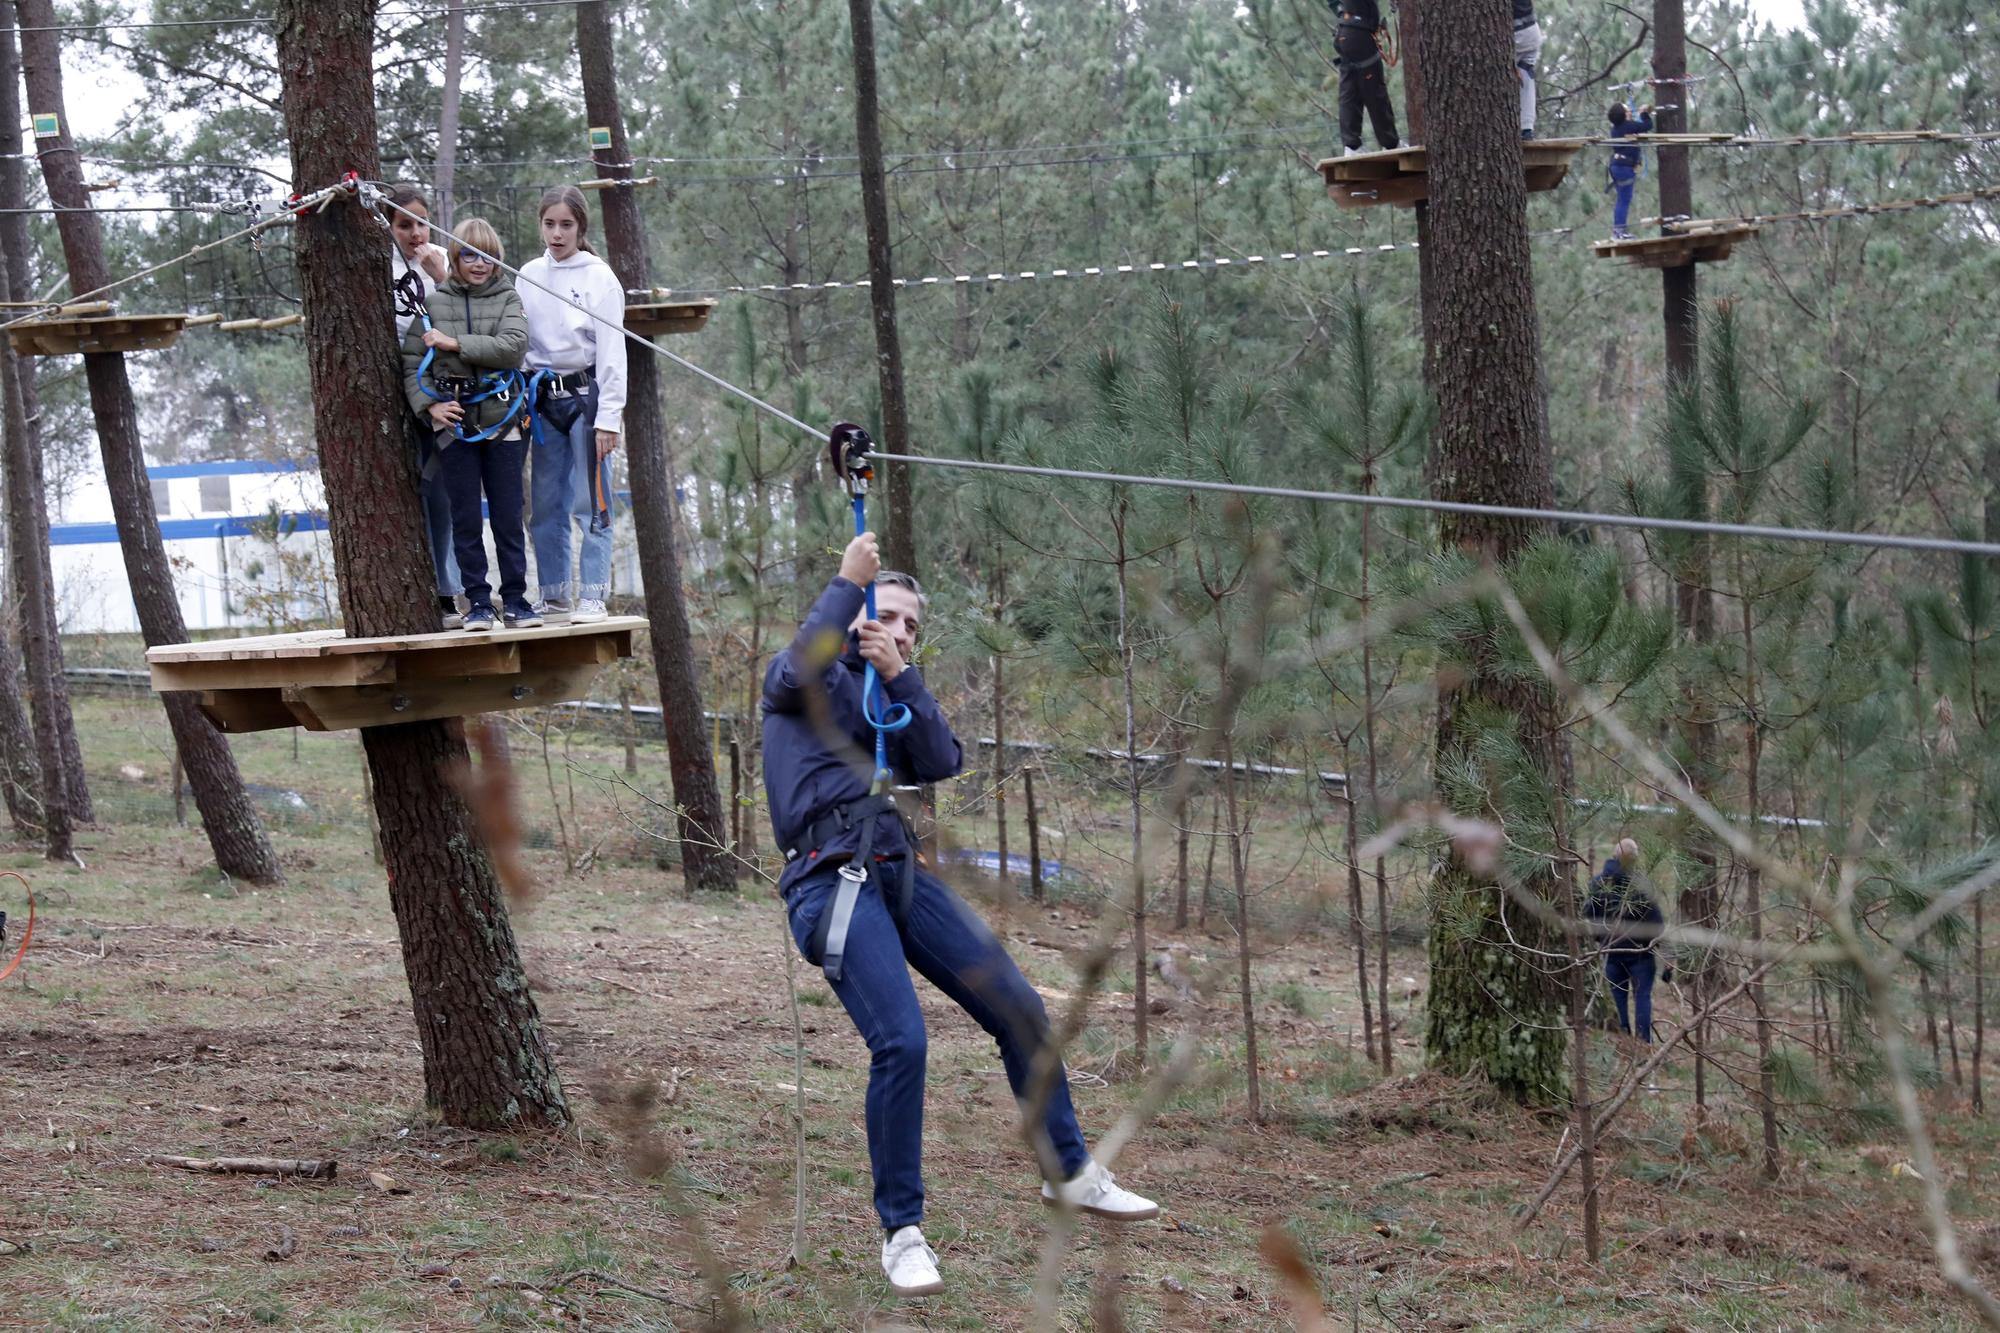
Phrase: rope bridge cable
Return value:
(1954, 200)
(1891, 541)
(316, 200)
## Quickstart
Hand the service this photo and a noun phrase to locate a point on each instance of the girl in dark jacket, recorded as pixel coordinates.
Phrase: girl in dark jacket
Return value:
(461, 371)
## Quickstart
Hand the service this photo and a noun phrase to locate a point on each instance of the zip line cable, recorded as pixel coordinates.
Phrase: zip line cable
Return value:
(369, 195)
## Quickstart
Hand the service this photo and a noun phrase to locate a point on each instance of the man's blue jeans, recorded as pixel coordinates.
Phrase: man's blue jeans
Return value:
(1631, 976)
(565, 451)
(1622, 180)
(436, 499)
(949, 946)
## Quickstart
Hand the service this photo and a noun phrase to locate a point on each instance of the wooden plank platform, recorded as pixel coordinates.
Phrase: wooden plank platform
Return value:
(1401, 176)
(101, 333)
(1691, 245)
(324, 681)
(653, 319)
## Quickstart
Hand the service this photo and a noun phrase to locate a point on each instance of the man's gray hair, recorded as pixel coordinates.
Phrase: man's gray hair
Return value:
(896, 578)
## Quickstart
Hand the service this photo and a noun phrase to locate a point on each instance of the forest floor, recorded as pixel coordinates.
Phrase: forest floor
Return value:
(162, 1011)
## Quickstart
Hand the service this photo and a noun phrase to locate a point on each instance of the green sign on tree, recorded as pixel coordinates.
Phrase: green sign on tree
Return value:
(600, 137)
(47, 127)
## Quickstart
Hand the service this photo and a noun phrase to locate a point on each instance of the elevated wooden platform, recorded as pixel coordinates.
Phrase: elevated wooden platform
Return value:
(1699, 244)
(324, 681)
(66, 336)
(1401, 176)
(652, 320)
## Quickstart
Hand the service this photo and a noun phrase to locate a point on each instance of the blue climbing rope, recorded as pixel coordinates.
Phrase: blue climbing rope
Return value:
(510, 386)
(850, 446)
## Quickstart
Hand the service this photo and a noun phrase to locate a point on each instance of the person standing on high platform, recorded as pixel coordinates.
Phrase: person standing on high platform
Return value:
(1527, 53)
(1626, 159)
(1364, 77)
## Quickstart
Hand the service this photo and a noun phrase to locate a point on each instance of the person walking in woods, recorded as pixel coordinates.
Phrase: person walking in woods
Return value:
(580, 405)
(1527, 53)
(416, 266)
(461, 369)
(1632, 923)
(1364, 76)
(1626, 159)
(860, 907)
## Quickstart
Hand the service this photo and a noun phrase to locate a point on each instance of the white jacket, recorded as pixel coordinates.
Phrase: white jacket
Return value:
(563, 338)
(410, 287)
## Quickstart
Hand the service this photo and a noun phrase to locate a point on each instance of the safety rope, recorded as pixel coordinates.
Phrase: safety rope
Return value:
(852, 452)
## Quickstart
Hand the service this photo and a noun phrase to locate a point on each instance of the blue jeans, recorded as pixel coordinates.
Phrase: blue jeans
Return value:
(565, 452)
(1631, 974)
(947, 943)
(1622, 180)
(495, 469)
(436, 500)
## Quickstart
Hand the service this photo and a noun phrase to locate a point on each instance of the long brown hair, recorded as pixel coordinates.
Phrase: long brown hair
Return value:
(402, 196)
(571, 198)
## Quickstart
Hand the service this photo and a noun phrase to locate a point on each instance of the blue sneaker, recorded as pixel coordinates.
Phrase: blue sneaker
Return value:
(522, 616)
(479, 620)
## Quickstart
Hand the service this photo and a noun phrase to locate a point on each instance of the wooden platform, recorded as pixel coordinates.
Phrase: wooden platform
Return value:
(652, 320)
(1401, 176)
(1692, 245)
(324, 681)
(64, 336)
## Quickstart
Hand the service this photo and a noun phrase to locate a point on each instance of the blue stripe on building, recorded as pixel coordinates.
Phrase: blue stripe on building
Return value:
(239, 468)
(186, 529)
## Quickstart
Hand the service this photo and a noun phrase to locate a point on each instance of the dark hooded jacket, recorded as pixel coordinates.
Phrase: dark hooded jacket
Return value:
(1632, 919)
(492, 333)
(818, 746)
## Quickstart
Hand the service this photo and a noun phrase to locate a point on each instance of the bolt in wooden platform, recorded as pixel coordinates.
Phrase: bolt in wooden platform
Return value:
(652, 320)
(1401, 176)
(65, 336)
(1698, 244)
(324, 681)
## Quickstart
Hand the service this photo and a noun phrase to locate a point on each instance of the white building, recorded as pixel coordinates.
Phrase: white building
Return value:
(247, 543)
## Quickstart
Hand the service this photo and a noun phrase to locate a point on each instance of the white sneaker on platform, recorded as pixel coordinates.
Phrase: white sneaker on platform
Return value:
(910, 1264)
(1094, 1191)
(589, 610)
(552, 610)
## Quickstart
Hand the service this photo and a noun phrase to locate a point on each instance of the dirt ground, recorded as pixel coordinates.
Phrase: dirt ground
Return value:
(163, 1012)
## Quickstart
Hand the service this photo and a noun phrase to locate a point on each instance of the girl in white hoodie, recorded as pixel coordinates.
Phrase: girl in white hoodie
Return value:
(579, 408)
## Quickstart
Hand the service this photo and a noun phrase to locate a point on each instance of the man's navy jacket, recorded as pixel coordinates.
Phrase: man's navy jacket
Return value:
(808, 772)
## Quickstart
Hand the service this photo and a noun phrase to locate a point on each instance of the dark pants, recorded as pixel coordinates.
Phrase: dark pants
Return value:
(437, 507)
(949, 946)
(1364, 83)
(1631, 974)
(494, 468)
(1622, 180)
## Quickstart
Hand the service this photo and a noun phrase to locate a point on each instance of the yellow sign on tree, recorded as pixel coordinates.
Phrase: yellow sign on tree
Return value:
(600, 136)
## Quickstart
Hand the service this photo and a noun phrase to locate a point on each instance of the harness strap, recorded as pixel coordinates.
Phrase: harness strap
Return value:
(830, 935)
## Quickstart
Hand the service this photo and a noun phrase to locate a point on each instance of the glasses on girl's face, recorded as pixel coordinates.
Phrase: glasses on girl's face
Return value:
(470, 257)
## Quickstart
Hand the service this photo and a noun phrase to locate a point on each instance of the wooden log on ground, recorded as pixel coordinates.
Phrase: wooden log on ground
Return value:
(304, 1168)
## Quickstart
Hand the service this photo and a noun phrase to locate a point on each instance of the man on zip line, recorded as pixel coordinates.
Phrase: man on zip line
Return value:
(863, 910)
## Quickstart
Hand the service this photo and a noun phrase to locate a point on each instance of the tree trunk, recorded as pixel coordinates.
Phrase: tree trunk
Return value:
(28, 512)
(899, 544)
(1240, 878)
(1753, 879)
(706, 863)
(1357, 929)
(1000, 740)
(20, 766)
(1208, 869)
(454, 70)
(1036, 889)
(1491, 1009)
(1372, 753)
(1126, 668)
(1584, 1112)
(234, 831)
(486, 1062)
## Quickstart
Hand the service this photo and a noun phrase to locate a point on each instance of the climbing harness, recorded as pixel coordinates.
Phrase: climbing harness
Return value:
(510, 388)
(850, 446)
(27, 932)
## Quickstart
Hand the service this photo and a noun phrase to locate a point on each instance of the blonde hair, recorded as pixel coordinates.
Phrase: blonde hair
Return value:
(475, 234)
(1628, 851)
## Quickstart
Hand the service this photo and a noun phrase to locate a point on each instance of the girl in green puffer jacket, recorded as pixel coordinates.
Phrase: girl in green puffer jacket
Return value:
(477, 329)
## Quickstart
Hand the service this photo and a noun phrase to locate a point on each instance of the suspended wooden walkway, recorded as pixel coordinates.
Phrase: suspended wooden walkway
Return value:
(655, 318)
(67, 334)
(1697, 243)
(1401, 176)
(324, 681)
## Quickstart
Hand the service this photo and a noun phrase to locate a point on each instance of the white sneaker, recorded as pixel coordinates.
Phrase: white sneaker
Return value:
(910, 1264)
(589, 610)
(1094, 1191)
(552, 610)
(1350, 152)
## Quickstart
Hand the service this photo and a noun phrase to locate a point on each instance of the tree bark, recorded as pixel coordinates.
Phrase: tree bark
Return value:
(1035, 886)
(454, 71)
(20, 766)
(27, 506)
(486, 1062)
(1491, 1010)
(706, 863)
(1140, 959)
(1357, 929)
(899, 544)
(235, 833)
